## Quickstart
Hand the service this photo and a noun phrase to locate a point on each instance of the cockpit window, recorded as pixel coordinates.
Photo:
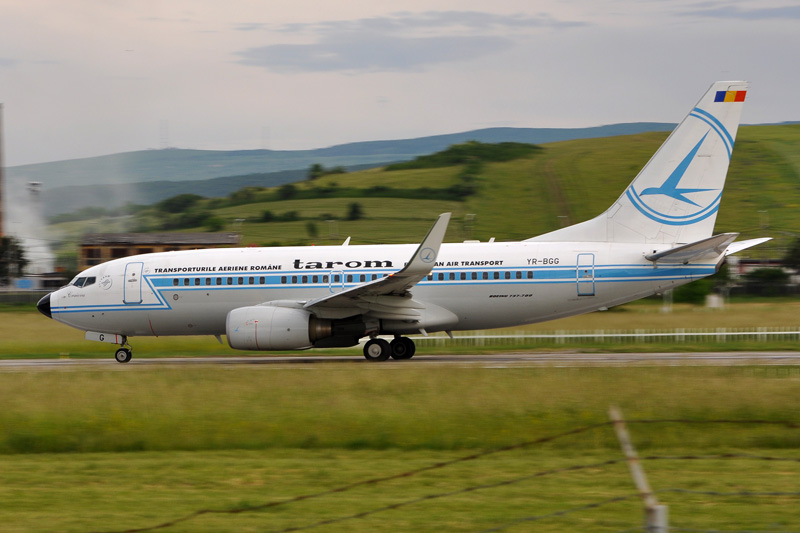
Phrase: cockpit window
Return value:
(84, 282)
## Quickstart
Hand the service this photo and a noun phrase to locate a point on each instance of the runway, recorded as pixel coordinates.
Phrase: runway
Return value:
(500, 360)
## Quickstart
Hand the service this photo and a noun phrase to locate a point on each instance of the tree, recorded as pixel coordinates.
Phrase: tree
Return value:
(287, 192)
(766, 281)
(12, 259)
(312, 230)
(792, 258)
(178, 204)
(354, 211)
(315, 171)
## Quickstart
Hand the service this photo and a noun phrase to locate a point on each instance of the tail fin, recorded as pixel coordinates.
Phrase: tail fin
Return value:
(675, 197)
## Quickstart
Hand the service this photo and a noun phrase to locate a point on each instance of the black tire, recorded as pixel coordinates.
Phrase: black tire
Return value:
(403, 348)
(123, 355)
(377, 350)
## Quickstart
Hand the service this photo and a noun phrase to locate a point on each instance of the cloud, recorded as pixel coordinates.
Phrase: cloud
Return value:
(734, 12)
(400, 42)
(371, 53)
(7, 62)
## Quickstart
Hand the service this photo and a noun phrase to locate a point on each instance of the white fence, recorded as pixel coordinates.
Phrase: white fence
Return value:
(607, 336)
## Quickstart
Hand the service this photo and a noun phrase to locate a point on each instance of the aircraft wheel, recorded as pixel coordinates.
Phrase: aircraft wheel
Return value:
(402, 348)
(377, 350)
(123, 355)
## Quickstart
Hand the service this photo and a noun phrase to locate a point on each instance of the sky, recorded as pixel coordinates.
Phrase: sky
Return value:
(93, 77)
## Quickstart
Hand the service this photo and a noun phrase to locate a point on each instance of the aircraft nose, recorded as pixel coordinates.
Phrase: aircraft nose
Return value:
(44, 305)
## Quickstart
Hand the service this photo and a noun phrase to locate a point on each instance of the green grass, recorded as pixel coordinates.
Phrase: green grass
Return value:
(225, 438)
(369, 407)
(115, 492)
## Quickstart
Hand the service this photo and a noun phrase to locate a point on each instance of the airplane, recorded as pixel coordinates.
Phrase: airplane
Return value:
(658, 235)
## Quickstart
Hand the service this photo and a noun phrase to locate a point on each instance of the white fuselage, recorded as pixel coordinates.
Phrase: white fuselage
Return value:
(484, 285)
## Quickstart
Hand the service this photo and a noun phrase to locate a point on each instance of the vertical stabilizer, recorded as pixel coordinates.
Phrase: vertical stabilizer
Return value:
(676, 196)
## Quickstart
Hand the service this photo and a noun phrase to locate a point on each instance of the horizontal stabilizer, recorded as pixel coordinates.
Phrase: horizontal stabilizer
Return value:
(743, 245)
(712, 246)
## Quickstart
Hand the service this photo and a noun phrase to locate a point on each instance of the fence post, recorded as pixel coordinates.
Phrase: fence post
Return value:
(655, 515)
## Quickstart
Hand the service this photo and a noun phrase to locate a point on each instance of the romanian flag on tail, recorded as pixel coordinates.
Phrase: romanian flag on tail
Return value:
(730, 96)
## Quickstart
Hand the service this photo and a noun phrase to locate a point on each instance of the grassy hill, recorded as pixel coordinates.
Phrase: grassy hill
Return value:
(148, 176)
(564, 183)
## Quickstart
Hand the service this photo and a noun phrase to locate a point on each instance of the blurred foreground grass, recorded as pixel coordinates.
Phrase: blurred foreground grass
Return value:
(376, 407)
(213, 437)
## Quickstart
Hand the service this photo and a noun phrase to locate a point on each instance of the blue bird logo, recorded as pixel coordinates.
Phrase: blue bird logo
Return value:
(670, 185)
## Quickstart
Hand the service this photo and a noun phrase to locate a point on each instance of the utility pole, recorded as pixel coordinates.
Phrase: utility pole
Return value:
(655, 515)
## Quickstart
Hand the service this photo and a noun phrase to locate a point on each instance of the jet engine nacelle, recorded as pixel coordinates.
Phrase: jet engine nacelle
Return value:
(273, 328)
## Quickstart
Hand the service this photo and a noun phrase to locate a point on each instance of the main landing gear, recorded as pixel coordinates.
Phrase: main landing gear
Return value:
(124, 354)
(380, 350)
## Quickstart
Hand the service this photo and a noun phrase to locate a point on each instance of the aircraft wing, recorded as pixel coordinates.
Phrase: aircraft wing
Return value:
(388, 297)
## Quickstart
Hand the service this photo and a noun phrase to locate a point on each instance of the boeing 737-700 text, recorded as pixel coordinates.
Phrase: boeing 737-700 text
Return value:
(656, 236)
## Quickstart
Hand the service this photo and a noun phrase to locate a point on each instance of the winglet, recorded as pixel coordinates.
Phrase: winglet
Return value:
(424, 259)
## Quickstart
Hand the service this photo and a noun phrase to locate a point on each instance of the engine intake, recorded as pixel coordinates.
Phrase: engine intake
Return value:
(274, 328)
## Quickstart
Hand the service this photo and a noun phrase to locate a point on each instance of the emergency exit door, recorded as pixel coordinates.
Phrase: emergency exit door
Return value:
(585, 274)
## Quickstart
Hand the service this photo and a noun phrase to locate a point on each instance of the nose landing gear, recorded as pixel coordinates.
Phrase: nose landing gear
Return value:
(124, 354)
